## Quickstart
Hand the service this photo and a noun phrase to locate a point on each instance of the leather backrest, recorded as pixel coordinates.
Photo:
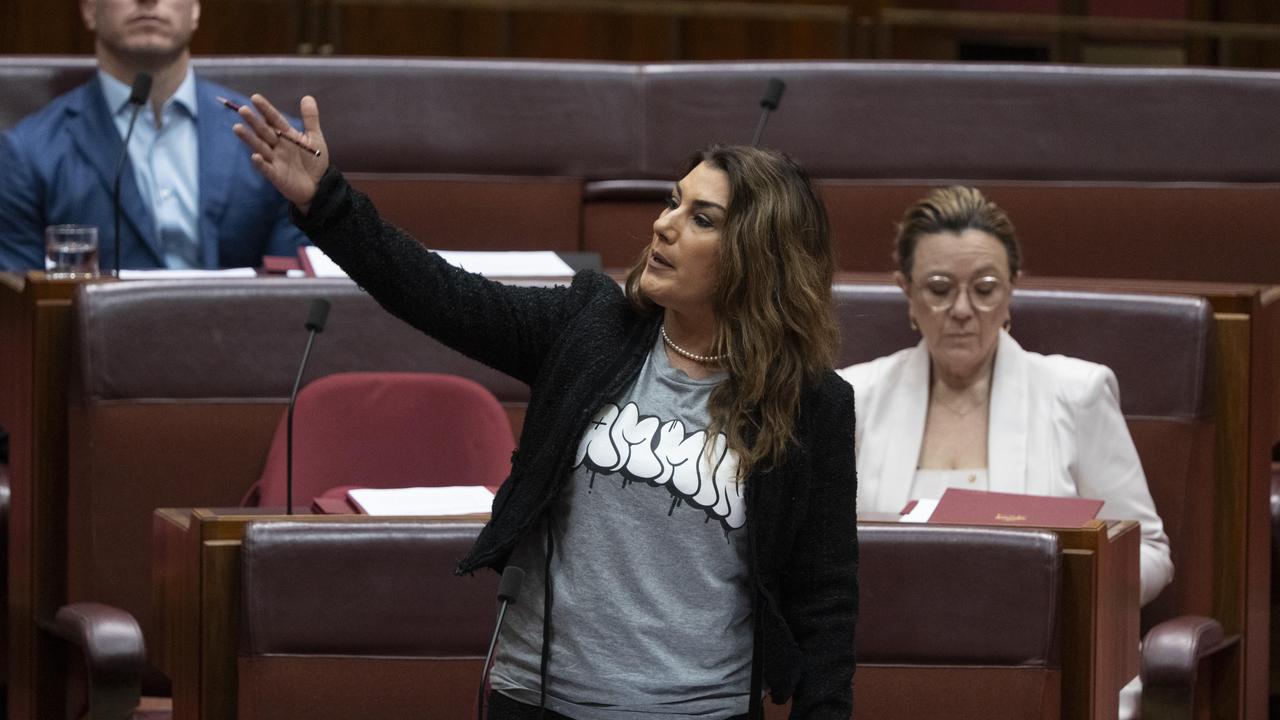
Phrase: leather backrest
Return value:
(887, 120)
(937, 594)
(857, 120)
(243, 339)
(28, 83)
(1158, 346)
(176, 390)
(369, 588)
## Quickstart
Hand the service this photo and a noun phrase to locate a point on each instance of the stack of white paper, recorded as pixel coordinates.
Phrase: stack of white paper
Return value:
(541, 263)
(322, 265)
(165, 274)
(434, 501)
(921, 512)
(515, 264)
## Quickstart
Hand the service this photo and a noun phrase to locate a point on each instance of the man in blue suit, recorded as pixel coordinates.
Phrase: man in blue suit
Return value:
(190, 197)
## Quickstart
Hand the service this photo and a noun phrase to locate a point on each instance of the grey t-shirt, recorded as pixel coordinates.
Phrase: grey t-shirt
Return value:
(651, 608)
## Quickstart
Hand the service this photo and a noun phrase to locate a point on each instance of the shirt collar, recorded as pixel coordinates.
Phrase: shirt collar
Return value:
(117, 93)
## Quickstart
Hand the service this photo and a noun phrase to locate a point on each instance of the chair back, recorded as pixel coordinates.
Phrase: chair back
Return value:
(387, 430)
(958, 622)
(177, 388)
(361, 619)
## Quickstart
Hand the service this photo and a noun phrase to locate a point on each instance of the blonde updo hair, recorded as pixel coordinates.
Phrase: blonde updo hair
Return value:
(953, 210)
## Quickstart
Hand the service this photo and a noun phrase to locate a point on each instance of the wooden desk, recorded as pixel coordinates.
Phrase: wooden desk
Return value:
(197, 583)
(1101, 602)
(196, 571)
(34, 328)
(1099, 632)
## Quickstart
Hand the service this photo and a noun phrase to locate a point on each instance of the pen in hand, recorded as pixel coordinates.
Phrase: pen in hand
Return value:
(235, 107)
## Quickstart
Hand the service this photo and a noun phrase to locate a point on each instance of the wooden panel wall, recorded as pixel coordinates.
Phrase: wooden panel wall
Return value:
(1254, 11)
(398, 27)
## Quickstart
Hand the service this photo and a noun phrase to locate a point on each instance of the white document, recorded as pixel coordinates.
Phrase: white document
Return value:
(164, 274)
(922, 511)
(500, 264)
(322, 265)
(539, 263)
(433, 501)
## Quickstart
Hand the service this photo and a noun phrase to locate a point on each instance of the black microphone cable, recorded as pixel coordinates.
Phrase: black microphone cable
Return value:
(508, 591)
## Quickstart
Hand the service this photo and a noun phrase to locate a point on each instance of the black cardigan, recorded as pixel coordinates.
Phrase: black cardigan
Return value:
(577, 347)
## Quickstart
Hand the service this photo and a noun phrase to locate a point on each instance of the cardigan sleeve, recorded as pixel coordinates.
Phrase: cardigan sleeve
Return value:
(820, 594)
(506, 327)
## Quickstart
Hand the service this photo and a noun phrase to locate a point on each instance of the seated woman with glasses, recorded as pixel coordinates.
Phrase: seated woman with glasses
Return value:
(969, 408)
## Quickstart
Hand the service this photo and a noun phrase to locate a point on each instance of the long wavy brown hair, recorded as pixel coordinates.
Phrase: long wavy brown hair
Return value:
(772, 300)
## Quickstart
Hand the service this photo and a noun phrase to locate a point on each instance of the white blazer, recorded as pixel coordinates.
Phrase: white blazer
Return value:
(1055, 428)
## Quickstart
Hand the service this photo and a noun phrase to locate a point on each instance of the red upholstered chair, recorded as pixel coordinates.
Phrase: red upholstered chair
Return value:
(368, 429)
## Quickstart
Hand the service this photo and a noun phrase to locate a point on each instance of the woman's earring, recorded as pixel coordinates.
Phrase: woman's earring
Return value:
(1008, 324)
(912, 320)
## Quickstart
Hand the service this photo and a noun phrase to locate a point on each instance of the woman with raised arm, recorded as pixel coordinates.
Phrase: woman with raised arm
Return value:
(683, 498)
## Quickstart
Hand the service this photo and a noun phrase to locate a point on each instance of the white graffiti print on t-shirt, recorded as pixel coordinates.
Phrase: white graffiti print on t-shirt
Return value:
(645, 448)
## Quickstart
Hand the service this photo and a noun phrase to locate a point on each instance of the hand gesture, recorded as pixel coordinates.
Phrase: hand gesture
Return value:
(292, 161)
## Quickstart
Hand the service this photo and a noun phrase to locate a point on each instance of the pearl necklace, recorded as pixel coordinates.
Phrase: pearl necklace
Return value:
(707, 359)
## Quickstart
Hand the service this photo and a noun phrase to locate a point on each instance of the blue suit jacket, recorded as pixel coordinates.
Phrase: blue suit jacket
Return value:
(58, 165)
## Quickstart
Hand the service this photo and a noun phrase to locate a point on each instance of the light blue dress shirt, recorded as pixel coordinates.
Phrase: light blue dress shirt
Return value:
(166, 165)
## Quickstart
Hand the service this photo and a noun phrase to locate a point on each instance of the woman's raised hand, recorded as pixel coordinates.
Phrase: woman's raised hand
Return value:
(278, 148)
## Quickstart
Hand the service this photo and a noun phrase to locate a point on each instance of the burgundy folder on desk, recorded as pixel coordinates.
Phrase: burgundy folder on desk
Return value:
(974, 507)
(279, 265)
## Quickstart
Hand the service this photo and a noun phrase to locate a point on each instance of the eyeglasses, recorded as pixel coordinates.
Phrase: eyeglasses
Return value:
(985, 293)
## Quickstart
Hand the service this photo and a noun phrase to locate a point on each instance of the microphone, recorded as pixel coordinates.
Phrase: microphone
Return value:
(137, 98)
(315, 324)
(508, 591)
(772, 97)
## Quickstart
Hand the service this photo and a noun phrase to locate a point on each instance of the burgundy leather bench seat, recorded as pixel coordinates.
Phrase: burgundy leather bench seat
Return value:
(367, 619)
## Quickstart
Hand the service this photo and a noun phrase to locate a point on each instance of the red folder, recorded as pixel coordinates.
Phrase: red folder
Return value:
(974, 507)
(279, 265)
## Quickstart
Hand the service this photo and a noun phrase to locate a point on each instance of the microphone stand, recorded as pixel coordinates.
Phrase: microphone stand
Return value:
(772, 96)
(315, 325)
(508, 591)
(137, 98)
